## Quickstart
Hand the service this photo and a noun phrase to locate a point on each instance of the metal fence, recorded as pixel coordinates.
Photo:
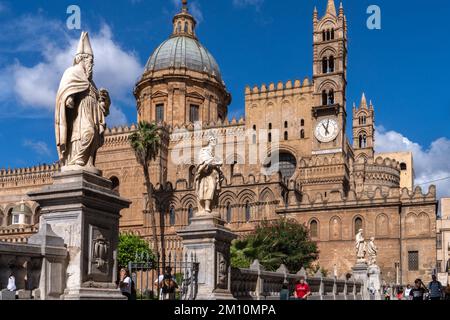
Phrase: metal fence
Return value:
(148, 273)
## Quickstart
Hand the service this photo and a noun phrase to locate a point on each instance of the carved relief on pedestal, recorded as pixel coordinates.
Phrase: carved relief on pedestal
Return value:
(99, 253)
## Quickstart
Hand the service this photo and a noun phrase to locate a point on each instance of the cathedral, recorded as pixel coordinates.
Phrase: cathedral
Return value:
(331, 183)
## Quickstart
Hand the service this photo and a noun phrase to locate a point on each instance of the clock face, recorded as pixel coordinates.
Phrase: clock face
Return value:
(327, 130)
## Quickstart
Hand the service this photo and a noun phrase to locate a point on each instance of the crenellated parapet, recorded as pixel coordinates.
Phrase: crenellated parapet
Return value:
(322, 169)
(380, 172)
(36, 175)
(278, 90)
(337, 199)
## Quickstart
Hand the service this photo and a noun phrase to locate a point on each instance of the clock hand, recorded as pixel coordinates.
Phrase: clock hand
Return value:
(326, 129)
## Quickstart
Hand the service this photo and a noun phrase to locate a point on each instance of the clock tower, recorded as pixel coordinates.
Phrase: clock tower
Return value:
(330, 81)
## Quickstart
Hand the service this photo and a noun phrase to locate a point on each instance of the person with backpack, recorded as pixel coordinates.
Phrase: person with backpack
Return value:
(418, 292)
(167, 285)
(435, 288)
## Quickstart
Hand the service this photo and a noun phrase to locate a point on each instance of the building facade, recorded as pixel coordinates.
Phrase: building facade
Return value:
(333, 184)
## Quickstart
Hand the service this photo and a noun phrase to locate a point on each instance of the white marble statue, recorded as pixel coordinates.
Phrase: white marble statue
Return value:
(208, 178)
(80, 112)
(372, 251)
(360, 247)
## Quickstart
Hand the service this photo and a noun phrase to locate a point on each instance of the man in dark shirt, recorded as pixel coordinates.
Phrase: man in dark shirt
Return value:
(418, 291)
(435, 288)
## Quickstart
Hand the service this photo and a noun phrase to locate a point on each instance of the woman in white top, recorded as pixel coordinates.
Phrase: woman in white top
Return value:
(11, 283)
(125, 283)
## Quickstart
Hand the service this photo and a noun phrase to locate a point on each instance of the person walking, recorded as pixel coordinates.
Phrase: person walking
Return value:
(167, 285)
(407, 292)
(11, 283)
(284, 292)
(435, 288)
(125, 283)
(302, 290)
(418, 292)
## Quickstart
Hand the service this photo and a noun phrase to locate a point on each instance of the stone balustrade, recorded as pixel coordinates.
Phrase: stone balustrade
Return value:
(256, 283)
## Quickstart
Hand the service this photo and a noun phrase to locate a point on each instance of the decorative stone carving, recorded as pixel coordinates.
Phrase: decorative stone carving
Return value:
(372, 251)
(360, 247)
(208, 179)
(80, 112)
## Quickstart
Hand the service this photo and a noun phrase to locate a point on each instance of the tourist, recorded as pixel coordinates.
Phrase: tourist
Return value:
(435, 288)
(302, 290)
(284, 293)
(400, 294)
(167, 285)
(418, 292)
(407, 292)
(11, 283)
(125, 283)
(387, 293)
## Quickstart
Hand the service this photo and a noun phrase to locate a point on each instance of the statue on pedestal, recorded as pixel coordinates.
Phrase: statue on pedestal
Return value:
(208, 178)
(360, 247)
(80, 112)
(372, 251)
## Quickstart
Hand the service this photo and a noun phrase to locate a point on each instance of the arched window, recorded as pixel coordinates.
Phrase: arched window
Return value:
(1, 218)
(270, 126)
(331, 64)
(332, 34)
(313, 229)
(331, 97)
(115, 184)
(190, 213)
(302, 134)
(324, 65)
(324, 35)
(287, 164)
(403, 166)
(172, 216)
(269, 137)
(286, 136)
(362, 141)
(186, 27)
(232, 167)
(254, 139)
(358, 225)
(285, 124)
(254, 127)
(302, 122)
(324, 98)
(247, 211)
(328, 35)
(228, 217)
(179, 27)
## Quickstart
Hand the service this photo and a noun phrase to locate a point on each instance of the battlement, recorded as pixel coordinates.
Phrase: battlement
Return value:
(335, 198)
(39, 169)
(280, 87)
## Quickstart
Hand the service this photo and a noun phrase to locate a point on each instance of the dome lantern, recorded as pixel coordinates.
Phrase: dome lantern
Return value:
(184, 23)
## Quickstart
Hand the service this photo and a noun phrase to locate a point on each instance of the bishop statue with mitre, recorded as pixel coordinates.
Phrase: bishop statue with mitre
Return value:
(80, 112)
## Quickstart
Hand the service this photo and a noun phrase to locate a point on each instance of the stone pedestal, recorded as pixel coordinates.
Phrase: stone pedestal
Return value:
(374, 280)
(360, 274)
(208, 239)
(82, 209)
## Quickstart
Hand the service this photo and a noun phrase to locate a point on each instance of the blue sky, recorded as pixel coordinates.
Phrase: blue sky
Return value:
(403, 68)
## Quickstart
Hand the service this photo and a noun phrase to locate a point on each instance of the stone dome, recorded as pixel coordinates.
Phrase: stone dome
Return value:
(183, 52)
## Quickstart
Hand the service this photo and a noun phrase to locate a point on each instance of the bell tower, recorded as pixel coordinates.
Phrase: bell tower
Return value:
(363, 130)
(330, 80)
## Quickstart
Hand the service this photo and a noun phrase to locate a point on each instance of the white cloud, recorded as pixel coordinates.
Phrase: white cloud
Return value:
(40, 147)
(244, 3)
(116, 117)
(115, 69)
(430, 163)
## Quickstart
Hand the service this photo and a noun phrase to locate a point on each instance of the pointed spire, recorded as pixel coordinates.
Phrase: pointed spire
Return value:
(363, 101)
(341, 9)
(84, 45)
(331, 8)
(184, 5)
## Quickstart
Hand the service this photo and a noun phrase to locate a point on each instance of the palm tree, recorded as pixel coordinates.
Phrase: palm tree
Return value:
(146, 143)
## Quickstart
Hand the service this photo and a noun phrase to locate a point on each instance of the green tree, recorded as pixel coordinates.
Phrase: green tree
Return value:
(283, 241)
(131, 246)
(146, 143)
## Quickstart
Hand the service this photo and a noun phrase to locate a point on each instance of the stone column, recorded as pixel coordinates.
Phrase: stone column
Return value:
(210, 241)
(82, 209)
